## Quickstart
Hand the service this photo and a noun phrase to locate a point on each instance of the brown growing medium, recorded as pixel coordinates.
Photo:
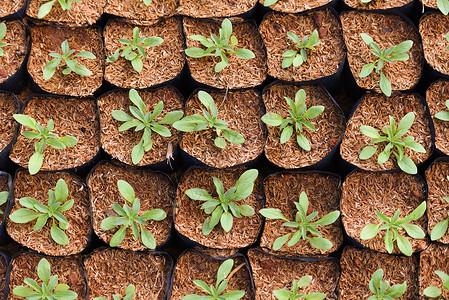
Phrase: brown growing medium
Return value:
(69, 270)
(364, 193)
(47, 39)
(386, 31)
(240, 73)
(15, 51)
(374, 110)
(4, 187)
(154, 190)
(433, 28)
(296, 6)
(8, 107)
(357, 267)
(146, 271)
(242, 110)
(214, 8)
(111, 136)
(324, 61)
(3, 271)
(216, 253)
(330, 127)
(74, 117)
(162, 63)
(430, 3)
(136, 9)
(436, 96)
(189, 217)
(194, 266)
(271, 273)
(282, 190)
(376, 4)
(8, 7)
(432, 259)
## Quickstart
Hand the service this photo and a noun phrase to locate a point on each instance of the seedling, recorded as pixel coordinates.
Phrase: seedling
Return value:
(269, 2)
(221, 46)
(129, 294)
(3, 199)
(382, 290)
(50, 288)
(303, 224)
(43, 137)
(443, 6)
(294, 293)
(146, 122)
(57, 204)
(392, 227)
(224, 208)
(298, 57)
(134, 50)
(209, 120)
(129, 217)
(394, 53)
(2, 36)
(299, 118)
(441, 227)
(67, 60)
(48, 5)
(396, 143)
(215, 292)
(443, 115)
(433, 291)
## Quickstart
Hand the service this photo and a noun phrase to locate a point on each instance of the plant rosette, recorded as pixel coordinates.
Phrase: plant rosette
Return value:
(294, 6)
(12, 8)
(374, 110)
(154, 190)
(142, 10)
(9, 105)
(190, 217)
(239, 73)
(433, 272)
(433, 28)
(273, 273)
(214, 8)
(147, 272)
(436, 96)
(394, 5)
(75, 117)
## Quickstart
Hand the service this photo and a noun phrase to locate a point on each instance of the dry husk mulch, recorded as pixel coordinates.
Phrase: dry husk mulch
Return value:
(377, 4)
(296, 6)
(162, 63)
(47, 39)
(111, 137)
(240, 73)
(216, 253)
(192, 265)
(8, 107)
(429, 3)
(189, 218)
(242, 110)
(330, 127)
(438, 188)
(80, 224)
(357, 267)
(74, 117)
(16, 50)
(271, 273)
(148, 272)
(70, 271)
(433, 258)
(8, 7)
(386, 31)
(214, 8)
(363, 193)
(3, 271)
(153, 189)
(436, 96)
(433, 28)
(132, 9)
(324, 61)
(4, 186)
(374, 110)
(25, 92)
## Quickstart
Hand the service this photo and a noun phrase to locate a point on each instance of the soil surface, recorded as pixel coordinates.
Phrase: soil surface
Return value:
(3, 271)
(15, 51)
(132, 9)
(8, 7)
(429, 3)
(296, 6)
(4, 187)
(433, 28)
(436, 97)
(214, 8)
(432, 259)
(377, 4)
(8, 107)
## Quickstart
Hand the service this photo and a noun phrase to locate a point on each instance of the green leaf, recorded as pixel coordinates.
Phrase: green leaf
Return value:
(313, 112)
(23, 215)
(329, 218)
(280, 241)
(403, 47)
(226, 27)
(234, 295)
(171, 117)
(85, 54)
(320, 243)
(404, 245)
(226, 221)
(65, 295)
(414, 231)
(68, 141)
(246, 210)
(367, 152)
(137, 153)
(233, 136)
(303, 142)
(269, 2)
(442, 115)
(118, 237)
(385, 85)
(24, 291)
(148, 239)
(245, 184)
(45, 9)
(198, 194)
(154, 214)
(369, 231)
(439, 230)
(366, 70)
(137, 64)
(153, 41)
(369, 131)
(195, 52)
(432, 292)
(407, 121)
(397, 290)
(244, 53)
(415, 214)
(376, 279)
(286, 134)
(272, 213)
(443, 6)
(272, 119)
(58, 235)
(126, 190)
(26, 121)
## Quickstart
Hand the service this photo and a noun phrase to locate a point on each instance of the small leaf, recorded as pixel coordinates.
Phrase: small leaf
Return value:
(58, 235)
(44, 270)
(272, 213)
(439, 230)
(367, 152)
(404, 245)
(432, 292)
(148, 239)
(385, 85)
(443, 6)
(45, 9)
(244, 53)
(118, 237)
(279, 242)
(272, 119)
(369, 231)
(224, 269)
(320, 243)
(23, 215)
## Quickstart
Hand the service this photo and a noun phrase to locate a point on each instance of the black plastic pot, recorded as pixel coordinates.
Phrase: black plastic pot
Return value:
(4, 237)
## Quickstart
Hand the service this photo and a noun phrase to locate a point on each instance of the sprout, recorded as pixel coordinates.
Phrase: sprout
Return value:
(48, 5)
(294, 293)
(298, 57)
(433, 291)
(382, 290)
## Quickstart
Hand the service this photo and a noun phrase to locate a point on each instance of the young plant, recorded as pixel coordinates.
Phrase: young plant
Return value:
(209, 120)
(2, 36)
(392, 227)
(396, 143)
(50, 288)
(224, 208)
(56, 205)
(443, 115)
(145, 121)
(221, 46)
(443, 6)
(303, 225)
(298, 57)
(269, 2)
(441, 227)
(48, 5)
(394, 53)
(433, 291)
(382, 290)
(3, 199)
(294, 293)
(43, 137)
(299, 118)
(130, 216)
(134, 50)
(215, 292)
(129, 294)
(68, 60)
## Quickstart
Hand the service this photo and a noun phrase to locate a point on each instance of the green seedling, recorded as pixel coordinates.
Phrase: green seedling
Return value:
(209, 120)
(382, 290)
(392, 54)
(43, 137)
(56, 205)
(129, 217)
(392, 227)
(396, 143)
(129, 294)
(269, 2)
(443, 6)
(50, 288)
(48, 5)
(298, 57)
(219, 46)
(441, 227)
(215, 292)
(3, 199)
(145, 121)
(299, 118)
(443, 115)
(433, 291)
(224, 209)
(303, 225)
(134, 50)
(2, 36)
(294, 293)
